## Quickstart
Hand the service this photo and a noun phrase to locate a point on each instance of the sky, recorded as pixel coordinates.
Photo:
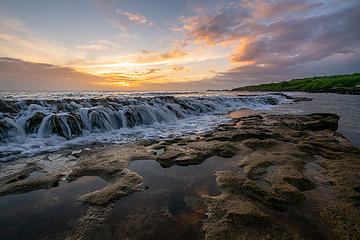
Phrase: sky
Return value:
(173, 45)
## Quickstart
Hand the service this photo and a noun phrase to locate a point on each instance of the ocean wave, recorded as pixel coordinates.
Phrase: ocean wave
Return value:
(31, 126)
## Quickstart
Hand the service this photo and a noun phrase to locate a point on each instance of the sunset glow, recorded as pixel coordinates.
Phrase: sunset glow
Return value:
(127, 45)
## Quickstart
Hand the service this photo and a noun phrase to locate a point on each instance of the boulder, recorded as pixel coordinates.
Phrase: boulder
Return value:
(66, 126)
(33, 123)
(7, 106)
(7, 128)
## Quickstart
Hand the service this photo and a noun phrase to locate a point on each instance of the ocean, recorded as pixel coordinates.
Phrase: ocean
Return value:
(33, 122)
(346, 106)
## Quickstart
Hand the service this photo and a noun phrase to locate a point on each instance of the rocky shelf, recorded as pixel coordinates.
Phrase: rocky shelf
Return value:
(297, 178)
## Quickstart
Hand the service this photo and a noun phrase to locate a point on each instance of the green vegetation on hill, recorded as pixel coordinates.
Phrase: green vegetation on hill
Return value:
(315, 84)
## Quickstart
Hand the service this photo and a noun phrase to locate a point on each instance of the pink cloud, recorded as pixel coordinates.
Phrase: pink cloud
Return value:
(137, 18)
(276, 38)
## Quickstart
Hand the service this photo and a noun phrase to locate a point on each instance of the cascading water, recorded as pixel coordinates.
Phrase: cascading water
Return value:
(28, 127)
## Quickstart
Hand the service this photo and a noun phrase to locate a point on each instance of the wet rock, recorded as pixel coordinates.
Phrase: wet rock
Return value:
(66, 126)
(357, 189)
(256, 144)
(313, 122)
(27, 185)
(20, 175)
(53, 157)
(131, 121)
(7, 129)
(290, 195)
(232, 183)
(7, 106)
(322, 181)
(230, 217)
(76, 153)
(127, 183)
(33, 123)
(75, 124)
(302, 184)
(276, 196)
(98, 121)
(245, 212)
(322, 121)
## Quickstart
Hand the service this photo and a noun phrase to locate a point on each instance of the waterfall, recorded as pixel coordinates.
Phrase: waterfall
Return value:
(23, 121)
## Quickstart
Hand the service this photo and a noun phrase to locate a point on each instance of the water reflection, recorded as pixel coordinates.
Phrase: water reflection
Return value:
(39, 213)
(170, 206)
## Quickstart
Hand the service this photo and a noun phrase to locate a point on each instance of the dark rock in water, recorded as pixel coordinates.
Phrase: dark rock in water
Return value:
(8, 107)
(131, 121)
(294, 98)
(271, 101)
(7, 129)
(26, 185)
(300, 183)
(96, 120)
(128, 182)
(32, 124)
(67, 126)
(314, 122)
(239, 185)
(357, 189)
(75, 124)
(322, 121)
(58, 127)
(182, 104)
(34, 101)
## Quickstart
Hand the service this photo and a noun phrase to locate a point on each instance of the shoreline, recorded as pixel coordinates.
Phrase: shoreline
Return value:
(337, 91)
(286, 165)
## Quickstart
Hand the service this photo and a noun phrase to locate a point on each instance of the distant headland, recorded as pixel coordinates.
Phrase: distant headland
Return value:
(343, 84)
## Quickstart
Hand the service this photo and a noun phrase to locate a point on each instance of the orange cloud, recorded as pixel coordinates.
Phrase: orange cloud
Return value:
(92, 47)
(152, 57)
(178, 68)
(272, 8)
(132, 73)
(134, 17)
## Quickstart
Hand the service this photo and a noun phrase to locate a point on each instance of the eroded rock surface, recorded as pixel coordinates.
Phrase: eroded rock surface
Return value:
(297, 179)
(297, 182)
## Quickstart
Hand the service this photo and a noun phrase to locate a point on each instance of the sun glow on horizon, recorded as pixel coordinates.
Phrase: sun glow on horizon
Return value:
(193, 45)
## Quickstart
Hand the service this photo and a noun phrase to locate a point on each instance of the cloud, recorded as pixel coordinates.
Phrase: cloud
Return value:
(178, 68)
(19, 42)
(302, 40)
(275, 8)
(99, 45)
(277, 40)
(244, 42)
(158, 56)
(33, 48)
(129, 74)
(92, 47)
(137, 18)
(215, 28)
(16, 74)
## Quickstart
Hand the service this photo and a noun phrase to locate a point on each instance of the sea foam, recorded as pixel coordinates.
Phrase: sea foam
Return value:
(31, 126)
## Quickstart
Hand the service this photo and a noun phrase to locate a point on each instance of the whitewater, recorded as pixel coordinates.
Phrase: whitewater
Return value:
(36, 122)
